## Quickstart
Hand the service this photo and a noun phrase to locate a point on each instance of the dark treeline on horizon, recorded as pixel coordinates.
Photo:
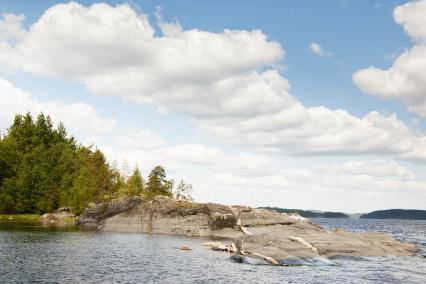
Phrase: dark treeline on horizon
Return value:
(43, 168)
(405, 214)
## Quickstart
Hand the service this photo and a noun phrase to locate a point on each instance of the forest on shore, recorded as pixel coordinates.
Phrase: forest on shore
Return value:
(43, 168)
(403, 214)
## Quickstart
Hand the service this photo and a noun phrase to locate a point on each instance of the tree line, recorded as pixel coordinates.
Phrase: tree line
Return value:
(42, 168)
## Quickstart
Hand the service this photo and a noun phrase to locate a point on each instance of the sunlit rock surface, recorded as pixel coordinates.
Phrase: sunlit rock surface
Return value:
(250, 235)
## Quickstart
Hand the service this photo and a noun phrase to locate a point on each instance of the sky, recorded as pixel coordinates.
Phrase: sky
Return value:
(296, 104)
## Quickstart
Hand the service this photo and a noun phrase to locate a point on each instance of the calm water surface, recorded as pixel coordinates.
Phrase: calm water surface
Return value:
(38, 255)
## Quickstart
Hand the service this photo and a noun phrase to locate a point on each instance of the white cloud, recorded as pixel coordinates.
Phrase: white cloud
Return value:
(298, 130)
(326, 187)
(11, 27)
(259, 180)
(96, 40)
(141, 139)
(11, 31)
(79, 117)
(406, 78)
(374, 168)
(316, 49)
(225, 82)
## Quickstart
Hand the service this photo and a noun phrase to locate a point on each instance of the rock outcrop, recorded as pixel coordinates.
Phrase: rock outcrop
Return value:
(96, 213)
(62, 216)
(253, 235)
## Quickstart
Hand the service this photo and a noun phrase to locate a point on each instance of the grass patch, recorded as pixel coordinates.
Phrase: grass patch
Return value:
(68, 220)
(19, 217)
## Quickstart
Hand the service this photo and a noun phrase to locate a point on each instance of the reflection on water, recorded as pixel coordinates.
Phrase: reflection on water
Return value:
(31, 253)
(35, 225)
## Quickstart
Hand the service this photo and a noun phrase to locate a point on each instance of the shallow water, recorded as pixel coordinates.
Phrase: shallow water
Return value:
(40, 255)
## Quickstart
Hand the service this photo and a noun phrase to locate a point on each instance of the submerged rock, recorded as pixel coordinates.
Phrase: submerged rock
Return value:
(185, 248)
(248, 260)
(311, 261)
(253, 235)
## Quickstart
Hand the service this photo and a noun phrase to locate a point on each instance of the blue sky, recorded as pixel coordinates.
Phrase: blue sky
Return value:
(339, 134)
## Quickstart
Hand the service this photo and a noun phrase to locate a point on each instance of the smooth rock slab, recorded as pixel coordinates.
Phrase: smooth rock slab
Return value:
(254, 232)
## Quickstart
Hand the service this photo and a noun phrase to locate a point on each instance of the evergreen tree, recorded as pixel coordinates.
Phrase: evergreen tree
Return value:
(41, 169)
(133, 185)
(158, 184)
(135, 182)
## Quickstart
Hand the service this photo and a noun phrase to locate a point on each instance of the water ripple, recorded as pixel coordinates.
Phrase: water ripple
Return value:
(43, 256)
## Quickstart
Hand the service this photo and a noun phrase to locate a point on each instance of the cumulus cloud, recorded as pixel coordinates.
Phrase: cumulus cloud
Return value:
(141, 139)
(259, 180)
(173, 157)
(316, 49)
(406, 78)
(11, 27)
(227, 82)
(320, 131)
(374, 168)
(97, 40)
(79, 117)
(11, 31)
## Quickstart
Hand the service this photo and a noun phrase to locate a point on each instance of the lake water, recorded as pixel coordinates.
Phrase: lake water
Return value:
(31, 254)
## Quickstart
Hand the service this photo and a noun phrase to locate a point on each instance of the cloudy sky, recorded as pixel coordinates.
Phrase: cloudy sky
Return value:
(297, 104)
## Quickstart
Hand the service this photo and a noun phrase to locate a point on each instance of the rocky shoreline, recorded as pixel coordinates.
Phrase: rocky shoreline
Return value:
(62, 216)
(250, 235)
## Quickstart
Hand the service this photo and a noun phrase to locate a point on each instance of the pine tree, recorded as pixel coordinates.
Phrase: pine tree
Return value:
(135, 183)
(158, 184)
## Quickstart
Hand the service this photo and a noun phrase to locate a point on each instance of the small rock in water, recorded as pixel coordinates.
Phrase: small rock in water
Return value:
(238, 258)
(185, 248)
(271, 260)
(247, 260)
(216, 246)
(220, 247)
(291, 262)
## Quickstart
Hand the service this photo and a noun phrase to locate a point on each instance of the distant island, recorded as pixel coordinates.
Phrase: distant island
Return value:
(310, 214)
(396, 214)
